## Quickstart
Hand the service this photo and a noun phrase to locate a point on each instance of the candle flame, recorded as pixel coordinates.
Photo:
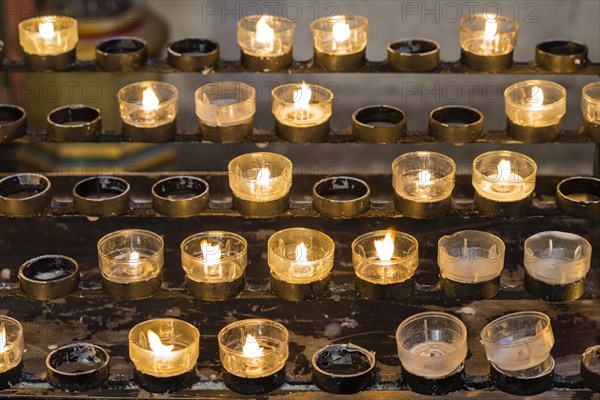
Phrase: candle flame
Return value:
(211, 254)
(134, 257)
(149, 100)
(491, 28)
(251, 347)
(504, 169)
(340, 32)
(385, 247)
(2, 339)
(302, 97)
(264, 33)
(264, 176)
(46, 30)
(301, 253)
(157, 346)
(537, 98)
(424, 177)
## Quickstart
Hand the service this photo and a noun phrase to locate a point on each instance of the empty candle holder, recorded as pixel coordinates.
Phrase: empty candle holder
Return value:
(341, 197)
(74, 123)
(49, 277)
(423, 182)
(214, 263)
(556, 264)
(470, 264)
(78, 367)
(13, 122)
(561, 56)
(413, 55)
(101, 196)
(590, 367)
(518, 347)
(266, 42)
(12, 346)
(534, 110)
(131, 261)
(590, 107)
(260, 183)
(253, 353)
(300, 260)
(148, 110)
(302, 112)
(24, 194)
(432, 347)
(340, 42)
(504, 182)
(180, 196)
(164, 353)
(579, 196)
(122, 54)
(385, 263)
(343, 368)
(226, 111)
(487, 42)
(49, 42)
(379, 124)
(193, 54)
(456, 124)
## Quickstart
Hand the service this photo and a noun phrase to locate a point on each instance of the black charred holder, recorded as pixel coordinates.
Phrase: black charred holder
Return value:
(90, 315)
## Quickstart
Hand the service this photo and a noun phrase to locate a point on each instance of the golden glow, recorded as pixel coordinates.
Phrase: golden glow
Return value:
(504, 169)
(301, 253)
(46, 30)
(264, 33)
(491, 28)
(149, 100)
(302, 97)
(2, 339)
(264, 176)
(210, 254)
(134, 257)
(385, 247)
(251, 348)
(157, 346)
(537, 98)
(340, 32)
(424, 177)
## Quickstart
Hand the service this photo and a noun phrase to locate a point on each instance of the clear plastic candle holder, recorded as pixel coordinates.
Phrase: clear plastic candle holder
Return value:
(148, 104)
(223, 104)
(12, 343)
(518, 341)
(557, 258)
(432, 344)
(423, 176)
(260, 177)
(300, 255)
(535, 103)
(488, 34)
(131, 255)
(590, 107)
(340, 35)
(214, 256)
(164, 347)
(253, 348)
(471, 256)
(302, 105)
(49, 35)
(385, 257)
(265, 35)
(504, 176)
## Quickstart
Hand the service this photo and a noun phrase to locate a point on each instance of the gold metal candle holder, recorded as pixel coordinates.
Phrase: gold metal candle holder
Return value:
(12, 346)
(214, 263)
(164, 353)
(13, 122)
(253, 353)
(78, 367)
(266, 42)
(343, 368)
(300, 260)
(49, 42)
(340, 42)
(49, 277)
(24, 194)
(590, 107)
(131, 261)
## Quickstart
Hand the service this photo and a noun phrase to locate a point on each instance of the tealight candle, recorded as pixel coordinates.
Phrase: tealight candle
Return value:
(470, 264)
(432, 347)
(590, 107)
(340, 42)
(49, 42)
(164, 353)
(225, 111)
(12, 346)
(556, 264)
(300, 260)
(487, 41)
(214, 263)
(266, 42)
(385, 263)
(302, 112)
(534, 110)
(504, 182)
(131, 261)
(148, 110)
(253, 353)
(423, 182)
(260, 183)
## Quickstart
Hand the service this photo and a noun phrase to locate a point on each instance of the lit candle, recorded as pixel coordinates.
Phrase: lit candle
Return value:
(590, 107)
(11, 350)
(265, 36)
(48, 35)
(339, 42)
(266, 41)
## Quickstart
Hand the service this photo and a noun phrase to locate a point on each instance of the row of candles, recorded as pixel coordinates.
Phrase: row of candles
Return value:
(487, 43)
(164, 352)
